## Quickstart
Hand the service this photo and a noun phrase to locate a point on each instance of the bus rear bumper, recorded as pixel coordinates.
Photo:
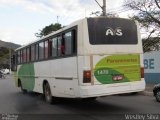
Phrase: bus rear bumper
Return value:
(111, 89)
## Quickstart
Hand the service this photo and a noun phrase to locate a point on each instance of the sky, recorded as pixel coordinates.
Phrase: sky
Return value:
(21, 19)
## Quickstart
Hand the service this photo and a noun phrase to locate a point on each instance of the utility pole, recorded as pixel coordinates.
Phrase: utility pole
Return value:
(102, 7)
(10, 64)
(57, 19)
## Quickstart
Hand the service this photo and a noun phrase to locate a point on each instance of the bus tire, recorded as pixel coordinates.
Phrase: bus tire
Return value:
(157, 95)
(47, 93)
(21, 86)
(134, 93)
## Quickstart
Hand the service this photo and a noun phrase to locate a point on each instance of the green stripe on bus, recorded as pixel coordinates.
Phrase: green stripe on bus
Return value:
(26, 74)
(127, 66)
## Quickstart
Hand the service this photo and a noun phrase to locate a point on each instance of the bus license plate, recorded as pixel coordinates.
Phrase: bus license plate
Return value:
(117, 77)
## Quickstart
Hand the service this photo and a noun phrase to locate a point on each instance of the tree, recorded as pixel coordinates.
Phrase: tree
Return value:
(48, 29)
(151, 44)
(147, 13)
(5, 56)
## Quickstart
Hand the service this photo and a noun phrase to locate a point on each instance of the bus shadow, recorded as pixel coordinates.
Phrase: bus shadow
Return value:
(98, 106)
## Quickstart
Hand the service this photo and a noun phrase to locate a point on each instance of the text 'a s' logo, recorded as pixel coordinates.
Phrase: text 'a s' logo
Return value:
(112, 32)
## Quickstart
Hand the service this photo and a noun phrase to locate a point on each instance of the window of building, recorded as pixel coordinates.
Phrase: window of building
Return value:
(41, 50)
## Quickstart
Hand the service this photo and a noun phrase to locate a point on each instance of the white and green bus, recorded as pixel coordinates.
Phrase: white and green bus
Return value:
(89, 58)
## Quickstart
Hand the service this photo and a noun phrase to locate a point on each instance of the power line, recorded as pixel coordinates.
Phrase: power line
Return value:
(98, 4)
(122, 8)
(102, 7)
(118, 10)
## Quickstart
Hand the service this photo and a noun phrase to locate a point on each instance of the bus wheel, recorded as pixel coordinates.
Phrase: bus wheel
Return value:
(158, 95)
(134, 93)
(47, 93)
(23, 90)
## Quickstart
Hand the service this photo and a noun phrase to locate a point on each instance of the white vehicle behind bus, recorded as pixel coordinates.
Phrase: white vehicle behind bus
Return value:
(5, 71)
(89, 58)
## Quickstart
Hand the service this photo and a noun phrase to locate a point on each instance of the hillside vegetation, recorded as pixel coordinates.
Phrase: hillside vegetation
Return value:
(5, 48)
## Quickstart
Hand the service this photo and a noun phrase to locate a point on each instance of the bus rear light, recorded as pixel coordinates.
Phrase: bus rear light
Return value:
(142, 72)
(86, 76)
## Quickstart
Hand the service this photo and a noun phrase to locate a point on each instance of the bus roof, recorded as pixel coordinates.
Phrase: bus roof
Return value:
(62, 29)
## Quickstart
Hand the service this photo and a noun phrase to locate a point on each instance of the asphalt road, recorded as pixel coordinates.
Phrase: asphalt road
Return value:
(13, 101)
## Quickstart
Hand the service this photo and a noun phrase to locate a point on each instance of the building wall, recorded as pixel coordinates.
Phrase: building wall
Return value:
(152, 67)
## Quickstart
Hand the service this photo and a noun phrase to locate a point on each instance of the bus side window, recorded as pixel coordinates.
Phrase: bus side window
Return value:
(54, 47)
(28, 55)
(41, 50)
(36, 52)
(68, 43)
(19, 57)
(32, 52)
(50, 48)
(24, 55)
(74, 41)
(61, 46)
(46, 49)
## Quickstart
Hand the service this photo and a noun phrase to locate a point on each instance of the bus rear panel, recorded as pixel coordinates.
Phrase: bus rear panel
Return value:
(112, 60)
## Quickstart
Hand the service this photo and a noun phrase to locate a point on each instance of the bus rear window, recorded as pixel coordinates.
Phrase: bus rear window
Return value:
(112, 31)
